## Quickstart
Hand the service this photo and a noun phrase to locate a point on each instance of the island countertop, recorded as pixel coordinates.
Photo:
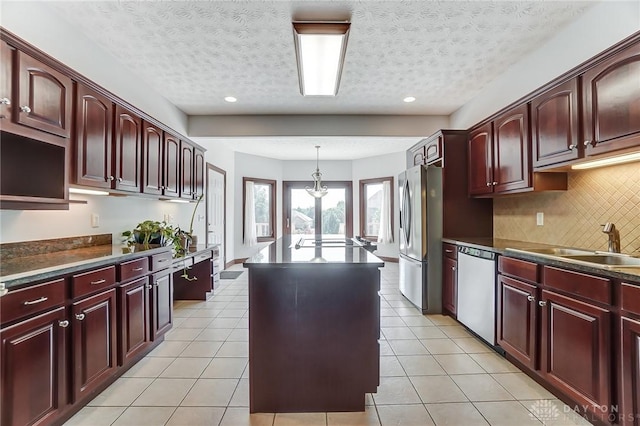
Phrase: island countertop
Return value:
(303, 250)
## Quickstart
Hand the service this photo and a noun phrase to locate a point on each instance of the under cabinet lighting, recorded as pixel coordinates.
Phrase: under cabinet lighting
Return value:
(320, 50)
(177, 200)
(608, 161)
(87, 191)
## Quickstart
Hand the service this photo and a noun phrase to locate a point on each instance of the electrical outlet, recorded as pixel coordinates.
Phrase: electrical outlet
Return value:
(170, 218)
(540, 219)
(95, 220)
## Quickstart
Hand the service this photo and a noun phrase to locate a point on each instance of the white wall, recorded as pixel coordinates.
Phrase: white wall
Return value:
(376, 167)
(602, 26)
(43, 27)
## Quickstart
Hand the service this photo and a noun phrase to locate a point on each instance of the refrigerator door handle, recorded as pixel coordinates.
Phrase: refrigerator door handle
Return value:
(406, 207)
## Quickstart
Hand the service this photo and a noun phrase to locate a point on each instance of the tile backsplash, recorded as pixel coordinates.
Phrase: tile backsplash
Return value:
(573, 217)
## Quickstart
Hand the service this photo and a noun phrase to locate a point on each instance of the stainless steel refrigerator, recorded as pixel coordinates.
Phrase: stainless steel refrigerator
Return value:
(420, 240)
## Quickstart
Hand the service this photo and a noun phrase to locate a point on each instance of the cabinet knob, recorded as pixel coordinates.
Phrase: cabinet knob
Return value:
(79, 317)
(63, 323)
(148, 286)
(542, 303)
(120, 179)
(572, 147)
(586, 143)
(3, 290)
(488, 183)
(494, 183)
(110, 178)
(453, 268)
(5, 101)
(25, 109)
(530, 298)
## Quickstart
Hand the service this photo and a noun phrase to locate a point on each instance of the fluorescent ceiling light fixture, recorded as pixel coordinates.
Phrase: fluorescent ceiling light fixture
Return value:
(320, 50)
(87, 191)
(409, 99)
(230, 99)
(177, 200)
(608, 161)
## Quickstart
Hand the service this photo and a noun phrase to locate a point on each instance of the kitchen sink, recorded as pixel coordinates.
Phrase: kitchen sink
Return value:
(614, 261)
(586, 257)
(559, 251)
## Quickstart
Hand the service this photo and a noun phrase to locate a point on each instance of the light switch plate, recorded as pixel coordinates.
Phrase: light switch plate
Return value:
(539, 218)
(95, 220)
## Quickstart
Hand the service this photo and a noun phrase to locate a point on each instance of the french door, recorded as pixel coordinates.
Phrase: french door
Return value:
(331, 215)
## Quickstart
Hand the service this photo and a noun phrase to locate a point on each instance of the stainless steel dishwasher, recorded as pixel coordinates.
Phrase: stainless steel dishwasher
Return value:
(477, 291)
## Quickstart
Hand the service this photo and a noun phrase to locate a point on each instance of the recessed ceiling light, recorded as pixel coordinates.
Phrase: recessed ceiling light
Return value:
(230, 99)
(409, 99)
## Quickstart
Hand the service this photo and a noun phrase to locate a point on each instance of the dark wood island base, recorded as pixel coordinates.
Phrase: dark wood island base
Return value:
(313, 331)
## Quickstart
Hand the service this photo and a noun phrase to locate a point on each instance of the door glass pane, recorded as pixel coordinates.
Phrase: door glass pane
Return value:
(333, 213)
(262, 200)
(302, 212)
(373, 203)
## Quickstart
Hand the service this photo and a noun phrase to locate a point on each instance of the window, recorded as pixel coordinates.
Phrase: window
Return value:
(376, 209)
(259, 208)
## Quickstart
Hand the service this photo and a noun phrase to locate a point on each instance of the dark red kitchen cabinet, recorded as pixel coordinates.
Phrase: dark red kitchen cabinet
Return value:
(94, 127)
(611, 102)
(127, 150)
(152, 144)
(511, 145)
(33, 370)
(171, 175)
(516, 324)
(576, 350)
(134, 322)
(450, 285)
(94, 341)
(187, 182)
(630, 377)
(161, 304)
(554, 126)
(199, 165)
(481, 160)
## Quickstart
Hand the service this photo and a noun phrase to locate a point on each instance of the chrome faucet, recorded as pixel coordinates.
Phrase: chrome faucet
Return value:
(614, 237)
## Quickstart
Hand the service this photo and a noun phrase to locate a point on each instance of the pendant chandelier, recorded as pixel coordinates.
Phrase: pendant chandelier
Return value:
(318, 190)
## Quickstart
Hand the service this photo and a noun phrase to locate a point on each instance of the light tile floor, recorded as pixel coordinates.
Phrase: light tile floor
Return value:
(432, 372)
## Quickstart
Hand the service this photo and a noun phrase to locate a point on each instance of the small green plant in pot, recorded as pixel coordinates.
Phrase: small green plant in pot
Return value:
(151, 234)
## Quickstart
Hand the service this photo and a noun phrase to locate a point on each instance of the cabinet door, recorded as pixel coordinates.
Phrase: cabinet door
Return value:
(516, 328)
(198, 172)
(171, 181)
(94, 341)
(450, 285)
(511, 169)
(7, 101)
(134, 318)
(94, 122)
(44, 97)
(128, 150)
(152, 143)
(33, 369)
(433, 150)
(480, 160)
(575, 350)
(162, 304)
(630, 377)
(417, 156)
(611, 93)
(186, 170)
(554, 125)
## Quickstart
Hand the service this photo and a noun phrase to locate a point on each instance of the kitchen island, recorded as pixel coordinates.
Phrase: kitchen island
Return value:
(314, 325)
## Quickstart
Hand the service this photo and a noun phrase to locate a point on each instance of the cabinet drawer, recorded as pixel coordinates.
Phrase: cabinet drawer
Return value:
(133, 269)
(22, 303)
(576, 283)
(180, 264)
(202, 256)
(450, 250)
(92, 281)
(161, 261)
(630, 297)
(522, 269)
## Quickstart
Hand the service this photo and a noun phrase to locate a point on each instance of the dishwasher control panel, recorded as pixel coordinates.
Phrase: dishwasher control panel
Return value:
(472, 251)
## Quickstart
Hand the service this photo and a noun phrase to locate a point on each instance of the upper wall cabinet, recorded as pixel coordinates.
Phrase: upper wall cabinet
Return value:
(152, 144)
(481, 160)
(554, 126)
(36, 99)
(611, 93)
(511, 144)
(198, 172)
(127, 139)
(186, 171)
(171, 166)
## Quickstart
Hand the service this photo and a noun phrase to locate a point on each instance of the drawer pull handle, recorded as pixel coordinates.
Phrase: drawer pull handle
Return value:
(63, 323)
(102, 281)
(542, 303)
(162, 260)
(33, 302)
(530, 298)
(137, 269)
(448, 251)
(79, 317)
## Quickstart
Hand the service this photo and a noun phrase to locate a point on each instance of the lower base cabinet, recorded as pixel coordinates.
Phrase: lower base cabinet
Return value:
(450, 285)
(33, 369)
(516, 328)
(134, 333)
(94, 341)
(630, 376)
(161, 303)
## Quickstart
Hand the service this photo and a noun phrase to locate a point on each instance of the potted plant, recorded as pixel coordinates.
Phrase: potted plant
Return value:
(192, 240)
(151, 234)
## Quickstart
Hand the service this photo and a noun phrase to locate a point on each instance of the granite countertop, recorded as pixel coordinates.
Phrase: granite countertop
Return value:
(503, 247)
(25, 269)
(283, 251)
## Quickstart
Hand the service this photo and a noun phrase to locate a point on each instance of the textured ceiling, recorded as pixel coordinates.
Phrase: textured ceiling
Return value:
(197, 52)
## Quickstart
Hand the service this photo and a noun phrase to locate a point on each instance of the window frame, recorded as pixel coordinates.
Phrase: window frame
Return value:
(272, 205)
(362, 196)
